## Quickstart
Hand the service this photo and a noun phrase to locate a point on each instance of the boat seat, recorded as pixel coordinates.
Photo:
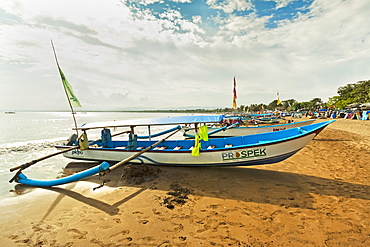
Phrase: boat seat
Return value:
(302, 131)
(211, 147)
(121, 147)
(159, 148)
(177, 148)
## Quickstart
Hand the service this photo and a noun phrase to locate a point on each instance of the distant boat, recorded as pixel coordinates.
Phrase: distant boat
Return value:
(10, 112)
(249, 130)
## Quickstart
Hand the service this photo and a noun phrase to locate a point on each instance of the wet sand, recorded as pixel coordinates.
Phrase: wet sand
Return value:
(318, 197)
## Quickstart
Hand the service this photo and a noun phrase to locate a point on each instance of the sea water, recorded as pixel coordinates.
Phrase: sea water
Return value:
(26, 136)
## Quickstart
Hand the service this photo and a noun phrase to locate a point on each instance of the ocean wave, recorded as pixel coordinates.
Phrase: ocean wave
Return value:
(30, 146)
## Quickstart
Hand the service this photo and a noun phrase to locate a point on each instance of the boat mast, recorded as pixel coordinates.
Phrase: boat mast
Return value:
(65, 90)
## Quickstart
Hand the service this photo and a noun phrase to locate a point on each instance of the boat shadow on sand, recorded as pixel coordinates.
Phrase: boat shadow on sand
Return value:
(246, 184)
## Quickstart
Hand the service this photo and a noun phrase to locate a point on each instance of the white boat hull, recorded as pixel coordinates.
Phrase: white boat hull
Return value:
(260, 154)
(265, 150)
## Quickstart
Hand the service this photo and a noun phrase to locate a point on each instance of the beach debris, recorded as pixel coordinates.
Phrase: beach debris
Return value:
(177, 197)
(137, 174)
(101, 185)
(21, 189)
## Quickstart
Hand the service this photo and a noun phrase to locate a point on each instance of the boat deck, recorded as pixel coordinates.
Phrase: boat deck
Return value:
(216, 143)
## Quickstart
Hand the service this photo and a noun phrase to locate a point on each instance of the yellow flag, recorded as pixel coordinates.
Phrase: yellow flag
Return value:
(203, 135)
(68, 88)
(203, 132)
(197, 146)
(278, 100)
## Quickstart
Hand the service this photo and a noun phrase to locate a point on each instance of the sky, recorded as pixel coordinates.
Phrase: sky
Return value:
(179, 54)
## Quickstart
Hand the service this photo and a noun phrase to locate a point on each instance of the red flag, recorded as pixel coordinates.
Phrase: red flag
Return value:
(234, 94)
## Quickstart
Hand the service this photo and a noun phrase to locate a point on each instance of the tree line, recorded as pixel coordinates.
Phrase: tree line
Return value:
(358, 92)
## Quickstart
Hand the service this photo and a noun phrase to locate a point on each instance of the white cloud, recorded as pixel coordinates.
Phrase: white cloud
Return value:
(147, 2)
(282, 3)
(197, 19)
(116, 57)
(315, 53)
(229, 6)
(238, 26)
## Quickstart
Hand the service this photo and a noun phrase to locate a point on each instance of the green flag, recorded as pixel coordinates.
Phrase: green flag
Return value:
(68, 88)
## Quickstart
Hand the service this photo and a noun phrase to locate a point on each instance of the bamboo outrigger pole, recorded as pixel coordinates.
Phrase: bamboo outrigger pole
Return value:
(28, 164)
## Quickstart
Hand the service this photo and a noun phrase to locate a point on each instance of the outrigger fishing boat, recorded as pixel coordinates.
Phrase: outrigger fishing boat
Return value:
(257, 149)
(246, 150)
(235, 130)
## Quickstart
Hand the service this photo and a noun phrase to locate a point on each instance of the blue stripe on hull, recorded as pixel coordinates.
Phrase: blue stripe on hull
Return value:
(265, 161)
(142, 158)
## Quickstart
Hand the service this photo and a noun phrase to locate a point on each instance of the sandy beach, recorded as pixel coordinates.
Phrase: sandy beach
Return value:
(318, 197)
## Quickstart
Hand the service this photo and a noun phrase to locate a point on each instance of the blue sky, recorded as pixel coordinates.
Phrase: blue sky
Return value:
(156, 54)
(211, 11)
